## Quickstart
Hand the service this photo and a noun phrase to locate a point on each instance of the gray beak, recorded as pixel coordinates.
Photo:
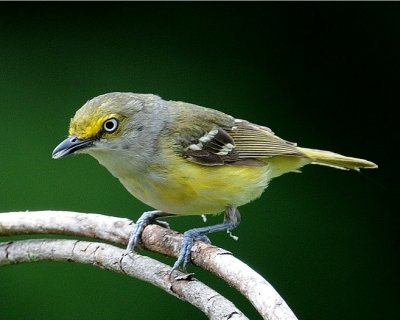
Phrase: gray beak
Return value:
(70, 145)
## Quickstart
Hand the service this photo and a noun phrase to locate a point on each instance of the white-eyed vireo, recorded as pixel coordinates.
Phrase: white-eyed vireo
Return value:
(183, 159)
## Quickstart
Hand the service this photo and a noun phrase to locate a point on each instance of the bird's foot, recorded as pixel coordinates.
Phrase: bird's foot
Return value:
(148, 217)
(232, 220)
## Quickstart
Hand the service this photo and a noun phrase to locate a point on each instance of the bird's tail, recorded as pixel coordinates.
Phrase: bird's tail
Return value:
(336, 160)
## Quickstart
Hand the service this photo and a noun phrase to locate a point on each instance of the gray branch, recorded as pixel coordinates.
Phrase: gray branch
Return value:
(237, 274)
(109, 257)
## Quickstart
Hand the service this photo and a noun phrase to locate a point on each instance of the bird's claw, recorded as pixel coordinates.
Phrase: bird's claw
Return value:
(203, 238)
(149, 217)
(160, 223)
(185, 251)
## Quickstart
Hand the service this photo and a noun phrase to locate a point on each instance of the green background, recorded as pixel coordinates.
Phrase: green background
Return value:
(323, 75)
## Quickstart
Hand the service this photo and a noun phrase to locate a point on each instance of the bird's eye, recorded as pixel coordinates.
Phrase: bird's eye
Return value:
(110, 125)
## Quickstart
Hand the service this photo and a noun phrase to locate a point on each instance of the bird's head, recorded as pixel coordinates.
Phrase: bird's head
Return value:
(108, 122)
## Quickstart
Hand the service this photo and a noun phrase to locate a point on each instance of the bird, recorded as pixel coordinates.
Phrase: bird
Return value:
(183, 159)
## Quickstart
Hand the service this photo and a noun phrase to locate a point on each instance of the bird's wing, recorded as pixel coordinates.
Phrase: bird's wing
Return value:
(242, 143)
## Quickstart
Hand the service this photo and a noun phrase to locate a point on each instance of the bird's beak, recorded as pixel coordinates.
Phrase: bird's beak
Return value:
(70, 145)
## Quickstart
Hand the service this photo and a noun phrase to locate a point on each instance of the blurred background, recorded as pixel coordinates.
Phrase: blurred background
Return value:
(324, 75)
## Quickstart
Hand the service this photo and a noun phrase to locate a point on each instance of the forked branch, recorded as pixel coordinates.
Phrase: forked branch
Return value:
(237, 274)
(109, 257)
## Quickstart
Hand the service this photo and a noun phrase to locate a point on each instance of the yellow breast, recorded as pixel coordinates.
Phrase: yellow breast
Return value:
(178, 186)
(189, 188)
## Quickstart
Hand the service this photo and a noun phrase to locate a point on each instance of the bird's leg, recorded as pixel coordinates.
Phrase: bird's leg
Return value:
(148, 217)
(231, 221)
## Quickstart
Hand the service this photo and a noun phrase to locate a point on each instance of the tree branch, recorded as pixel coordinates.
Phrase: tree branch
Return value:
(108, 257)
(218, 261)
